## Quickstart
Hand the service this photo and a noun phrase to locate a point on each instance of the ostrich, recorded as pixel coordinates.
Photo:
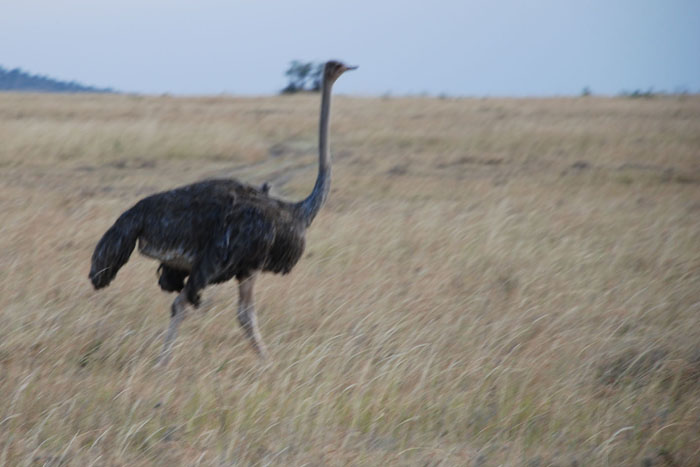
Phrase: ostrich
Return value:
(214, 230)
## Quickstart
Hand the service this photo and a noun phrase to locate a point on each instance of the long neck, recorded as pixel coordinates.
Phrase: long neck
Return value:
(310, 206)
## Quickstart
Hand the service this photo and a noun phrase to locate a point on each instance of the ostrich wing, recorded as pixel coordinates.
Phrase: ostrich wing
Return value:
(240, 247)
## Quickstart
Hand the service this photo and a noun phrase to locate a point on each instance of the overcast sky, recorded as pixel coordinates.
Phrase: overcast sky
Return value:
(457, 47)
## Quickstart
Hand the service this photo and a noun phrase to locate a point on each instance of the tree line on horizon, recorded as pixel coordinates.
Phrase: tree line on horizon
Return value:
(302, 76)
(20, 80)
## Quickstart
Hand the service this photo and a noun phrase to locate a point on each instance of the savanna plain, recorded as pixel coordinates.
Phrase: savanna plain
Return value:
(492, 282)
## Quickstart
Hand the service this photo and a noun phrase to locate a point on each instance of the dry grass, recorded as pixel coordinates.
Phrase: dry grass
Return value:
(493, 282)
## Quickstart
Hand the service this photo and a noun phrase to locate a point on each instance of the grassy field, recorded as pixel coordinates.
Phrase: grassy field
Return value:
(492, 282)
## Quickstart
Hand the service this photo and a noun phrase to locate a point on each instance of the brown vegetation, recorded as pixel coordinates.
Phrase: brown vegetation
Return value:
(510, 282)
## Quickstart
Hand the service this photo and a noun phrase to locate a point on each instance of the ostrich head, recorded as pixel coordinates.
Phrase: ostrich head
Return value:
(334, 69)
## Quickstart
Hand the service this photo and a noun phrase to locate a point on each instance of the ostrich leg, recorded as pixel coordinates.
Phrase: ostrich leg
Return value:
(246, 315)
(177, 314)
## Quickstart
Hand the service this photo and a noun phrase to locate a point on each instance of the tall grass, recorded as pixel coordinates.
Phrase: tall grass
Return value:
(492, 282)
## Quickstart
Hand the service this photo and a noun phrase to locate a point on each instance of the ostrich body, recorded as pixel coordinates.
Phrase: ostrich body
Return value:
(212, 231)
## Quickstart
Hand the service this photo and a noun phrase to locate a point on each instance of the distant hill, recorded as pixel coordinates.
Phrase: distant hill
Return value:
(19, 80)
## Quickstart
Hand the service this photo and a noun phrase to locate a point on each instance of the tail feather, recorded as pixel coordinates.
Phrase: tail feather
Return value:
(114, 249)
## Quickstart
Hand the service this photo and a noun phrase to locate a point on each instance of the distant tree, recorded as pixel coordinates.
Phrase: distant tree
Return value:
(303, 76)
(297, 74)
(586, 91)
